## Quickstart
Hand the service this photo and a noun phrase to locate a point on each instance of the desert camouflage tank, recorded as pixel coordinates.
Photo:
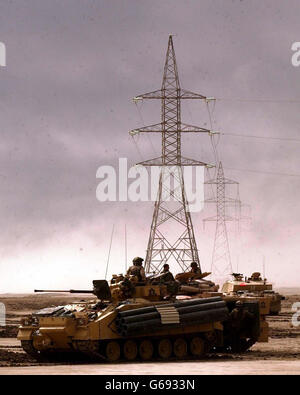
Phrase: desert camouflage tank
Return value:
(254, 286)
(239, 333)
(129, 320)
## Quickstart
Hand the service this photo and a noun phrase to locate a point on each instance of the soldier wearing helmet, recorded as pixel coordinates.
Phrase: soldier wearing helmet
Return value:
(195, 268)
(166, 276)
(137, 269)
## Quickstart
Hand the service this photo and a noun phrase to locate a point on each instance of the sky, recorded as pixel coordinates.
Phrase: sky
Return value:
(73, 67)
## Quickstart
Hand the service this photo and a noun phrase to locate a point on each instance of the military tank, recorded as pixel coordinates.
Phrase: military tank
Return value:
(254, 286)
(239, 333)
(128, 320)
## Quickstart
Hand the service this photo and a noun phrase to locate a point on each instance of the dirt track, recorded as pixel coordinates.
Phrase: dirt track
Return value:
(282, 352)
(167, 368)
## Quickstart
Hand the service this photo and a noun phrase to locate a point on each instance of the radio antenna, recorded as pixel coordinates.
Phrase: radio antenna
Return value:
(111, 239)
(125, 249)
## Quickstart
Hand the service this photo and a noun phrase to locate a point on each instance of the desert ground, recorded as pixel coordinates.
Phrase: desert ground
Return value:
(281, 355)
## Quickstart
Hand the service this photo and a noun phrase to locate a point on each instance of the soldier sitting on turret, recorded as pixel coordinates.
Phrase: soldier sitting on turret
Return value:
(137, 269)
(237, 276)
(191, 275)
(195, 268)
(165, 277)
(256, 277)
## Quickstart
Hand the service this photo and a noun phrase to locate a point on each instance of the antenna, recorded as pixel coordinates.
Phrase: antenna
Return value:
(111, 238)
(264, 266)
(125, 249)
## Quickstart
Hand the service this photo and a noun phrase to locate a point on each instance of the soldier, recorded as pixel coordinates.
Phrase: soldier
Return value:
(195, 268)
(166, 275)
(256, 277)
(137, 269)
(166, 278)
(240, 321)
(237, 276)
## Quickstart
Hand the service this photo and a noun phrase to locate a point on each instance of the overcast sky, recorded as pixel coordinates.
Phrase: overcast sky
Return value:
(65, 109)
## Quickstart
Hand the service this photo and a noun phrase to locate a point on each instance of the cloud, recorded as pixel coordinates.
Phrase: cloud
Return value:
(65, 108)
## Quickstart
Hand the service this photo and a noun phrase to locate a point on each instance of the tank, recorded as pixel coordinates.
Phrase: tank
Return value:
(254, 286)
(127, 320)
(240, 332)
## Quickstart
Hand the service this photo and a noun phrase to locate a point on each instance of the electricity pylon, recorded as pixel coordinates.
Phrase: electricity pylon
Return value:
(221, 261)
(160, 247)
(240, 217)
(239, 209)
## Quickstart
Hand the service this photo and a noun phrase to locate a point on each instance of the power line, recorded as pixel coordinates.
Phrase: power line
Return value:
(142, 119)
(231, 168)
(135, 142)
(259, 100)
(261, 137)
(264, 172)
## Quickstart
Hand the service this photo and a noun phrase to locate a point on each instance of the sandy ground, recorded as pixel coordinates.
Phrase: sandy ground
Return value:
(159, 368)
(281, 355)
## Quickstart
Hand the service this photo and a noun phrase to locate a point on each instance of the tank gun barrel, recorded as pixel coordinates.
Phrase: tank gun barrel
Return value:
(100, 289)
(71, 291)
(81, 291)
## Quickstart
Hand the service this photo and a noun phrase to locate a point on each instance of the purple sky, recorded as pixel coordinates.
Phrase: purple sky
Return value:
(65, 109)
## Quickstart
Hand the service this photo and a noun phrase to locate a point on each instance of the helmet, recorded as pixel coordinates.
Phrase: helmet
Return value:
(194, 264)
(137, 261)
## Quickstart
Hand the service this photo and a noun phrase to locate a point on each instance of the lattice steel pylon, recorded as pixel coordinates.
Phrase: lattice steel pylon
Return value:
(221, 265)
(183, 250)
(239, 231)
(239, 213)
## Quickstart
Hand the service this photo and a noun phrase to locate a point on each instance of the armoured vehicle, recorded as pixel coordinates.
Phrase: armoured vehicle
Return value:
(131, 320)
(253, 286)
(196, 286)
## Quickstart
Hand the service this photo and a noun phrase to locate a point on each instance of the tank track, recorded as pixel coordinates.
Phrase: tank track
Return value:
(175, 348)
(239, 346)
(99, 351)
(90, 349)
(28, 347)
(49, 356)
